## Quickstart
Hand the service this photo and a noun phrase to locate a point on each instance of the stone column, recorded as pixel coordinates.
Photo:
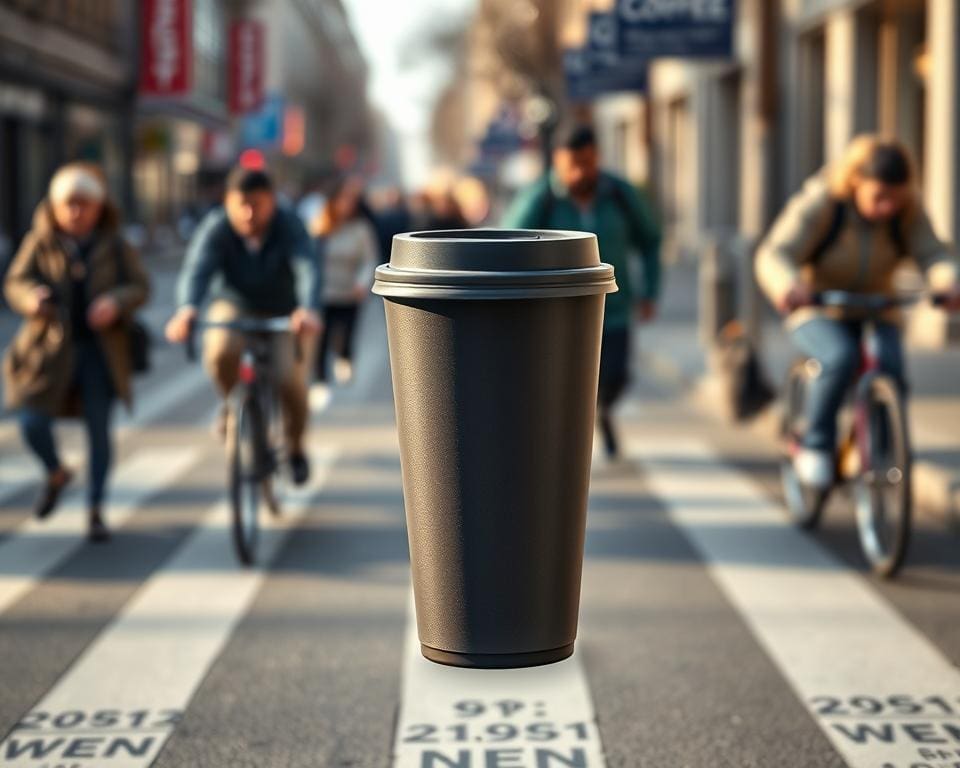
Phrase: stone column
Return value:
(942, 172)
(841, 83)
(929, 327)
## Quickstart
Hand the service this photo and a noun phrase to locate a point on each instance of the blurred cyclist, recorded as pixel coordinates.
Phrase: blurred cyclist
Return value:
(77, 284)
(254, 259)
(578, 195)
(848, 229)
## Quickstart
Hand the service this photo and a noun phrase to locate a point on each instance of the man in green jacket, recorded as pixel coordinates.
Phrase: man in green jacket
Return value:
(577, 195)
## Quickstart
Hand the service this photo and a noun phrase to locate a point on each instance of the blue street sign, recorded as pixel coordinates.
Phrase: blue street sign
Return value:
(264, 129)
(598, 68)
(675, 28)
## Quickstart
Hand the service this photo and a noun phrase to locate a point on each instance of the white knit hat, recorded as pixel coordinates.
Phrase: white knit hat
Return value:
(76, 181)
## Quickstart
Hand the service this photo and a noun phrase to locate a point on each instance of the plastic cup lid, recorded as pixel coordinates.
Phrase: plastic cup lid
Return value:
(494, 263)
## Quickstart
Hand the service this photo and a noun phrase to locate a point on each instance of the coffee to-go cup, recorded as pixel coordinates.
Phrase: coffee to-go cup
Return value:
(494, 342)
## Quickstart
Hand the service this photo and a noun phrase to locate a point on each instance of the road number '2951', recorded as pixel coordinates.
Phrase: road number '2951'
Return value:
(828, 706)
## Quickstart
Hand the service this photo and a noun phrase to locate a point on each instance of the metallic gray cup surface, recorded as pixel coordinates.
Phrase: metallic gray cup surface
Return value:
(495, 349)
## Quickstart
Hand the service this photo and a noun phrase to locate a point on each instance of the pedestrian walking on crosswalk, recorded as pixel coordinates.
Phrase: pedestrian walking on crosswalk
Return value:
(77, 285)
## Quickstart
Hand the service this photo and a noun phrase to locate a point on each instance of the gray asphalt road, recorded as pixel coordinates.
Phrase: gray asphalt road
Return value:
(712, 633)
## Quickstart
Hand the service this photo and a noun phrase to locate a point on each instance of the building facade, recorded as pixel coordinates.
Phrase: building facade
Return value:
(67, 90)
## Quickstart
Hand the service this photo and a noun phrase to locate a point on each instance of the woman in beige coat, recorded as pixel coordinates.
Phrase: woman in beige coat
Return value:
(849, 229)
(77, 284)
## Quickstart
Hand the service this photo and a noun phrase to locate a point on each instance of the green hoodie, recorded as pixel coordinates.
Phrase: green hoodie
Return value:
(621, 219)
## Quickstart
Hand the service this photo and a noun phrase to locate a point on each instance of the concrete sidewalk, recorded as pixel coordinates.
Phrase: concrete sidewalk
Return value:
(670, 350)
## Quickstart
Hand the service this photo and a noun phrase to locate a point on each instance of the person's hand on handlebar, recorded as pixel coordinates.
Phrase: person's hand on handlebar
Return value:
(798, 296)
(178, 327)
(305, 322)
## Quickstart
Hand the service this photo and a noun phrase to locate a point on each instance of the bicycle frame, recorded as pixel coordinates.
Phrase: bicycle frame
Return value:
(255, 375)
(869, 368)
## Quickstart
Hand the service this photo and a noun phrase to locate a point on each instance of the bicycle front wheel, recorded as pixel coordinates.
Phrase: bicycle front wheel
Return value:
(883, 488)
(804, 504)
(246, 477)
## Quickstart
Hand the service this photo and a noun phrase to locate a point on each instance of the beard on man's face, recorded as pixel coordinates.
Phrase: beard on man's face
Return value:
(584, 186)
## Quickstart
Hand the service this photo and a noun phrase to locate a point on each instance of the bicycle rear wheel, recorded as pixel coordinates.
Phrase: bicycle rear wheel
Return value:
(804, 504)
(883, 488)
(246, 477)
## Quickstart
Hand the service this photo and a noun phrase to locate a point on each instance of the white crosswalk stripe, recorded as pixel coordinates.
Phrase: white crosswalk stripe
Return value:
(124, 696)
(472, 717)
(37, 546)
(20, 471)
(879, 690)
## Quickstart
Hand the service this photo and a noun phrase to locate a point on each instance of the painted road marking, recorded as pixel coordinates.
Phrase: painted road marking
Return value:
(540, 717)
(18, 472)
(164, 395)
(126, 694)
(881, 691)
(36, 546)
(23, 471)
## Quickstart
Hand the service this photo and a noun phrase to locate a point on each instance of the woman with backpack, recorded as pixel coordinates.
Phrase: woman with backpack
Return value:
(77, 285)
(849, 229)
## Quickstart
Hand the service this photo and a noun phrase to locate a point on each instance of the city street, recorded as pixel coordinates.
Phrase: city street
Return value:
(712, 632)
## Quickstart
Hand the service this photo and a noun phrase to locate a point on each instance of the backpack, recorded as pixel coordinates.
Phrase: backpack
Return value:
(838, 218)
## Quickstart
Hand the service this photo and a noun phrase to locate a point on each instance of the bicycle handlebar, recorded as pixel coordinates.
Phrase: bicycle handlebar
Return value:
(244, 325)
(870, 302)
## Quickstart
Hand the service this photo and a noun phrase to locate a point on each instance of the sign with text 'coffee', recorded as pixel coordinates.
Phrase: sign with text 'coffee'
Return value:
(650, 29)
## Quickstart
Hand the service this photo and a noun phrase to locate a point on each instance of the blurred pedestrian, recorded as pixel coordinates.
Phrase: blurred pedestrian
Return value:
(849, 228)
(254, 258)
(77, 284)
(577, 195)
(444, 211)
(350, 257)
(389, 215)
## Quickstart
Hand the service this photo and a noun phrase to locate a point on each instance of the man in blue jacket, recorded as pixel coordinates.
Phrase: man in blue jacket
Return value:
(252, 258)
(577, 195)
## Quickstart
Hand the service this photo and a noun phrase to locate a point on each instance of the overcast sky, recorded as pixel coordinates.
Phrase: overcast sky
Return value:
(406, 77)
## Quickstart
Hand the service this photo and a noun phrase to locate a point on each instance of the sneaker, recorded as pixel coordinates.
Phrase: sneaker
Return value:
(319, 397)
(98, 533)
(814, 468)
(343, 371)
(299, 468)
(50, 496)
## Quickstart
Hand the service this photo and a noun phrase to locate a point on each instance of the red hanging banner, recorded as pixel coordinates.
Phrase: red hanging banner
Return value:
(247, 62)
(166, 47)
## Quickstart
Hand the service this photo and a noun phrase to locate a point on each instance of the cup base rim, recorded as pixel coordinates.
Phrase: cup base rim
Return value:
(496, 660)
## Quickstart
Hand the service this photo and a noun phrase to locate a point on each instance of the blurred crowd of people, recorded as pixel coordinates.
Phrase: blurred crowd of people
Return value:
(78, 280)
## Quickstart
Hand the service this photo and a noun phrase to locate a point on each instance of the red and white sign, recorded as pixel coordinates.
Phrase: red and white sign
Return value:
(167, 47)
(247, 62)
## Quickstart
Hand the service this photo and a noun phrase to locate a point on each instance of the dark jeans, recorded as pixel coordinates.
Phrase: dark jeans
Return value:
(835, 345)
(339, 321)
(614, 365)
(91, 379)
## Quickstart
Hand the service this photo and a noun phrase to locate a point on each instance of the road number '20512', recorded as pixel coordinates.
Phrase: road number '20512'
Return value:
(105, 718)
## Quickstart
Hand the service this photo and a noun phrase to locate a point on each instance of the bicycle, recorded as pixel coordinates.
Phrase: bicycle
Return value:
(874, 453)
(255, 444)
